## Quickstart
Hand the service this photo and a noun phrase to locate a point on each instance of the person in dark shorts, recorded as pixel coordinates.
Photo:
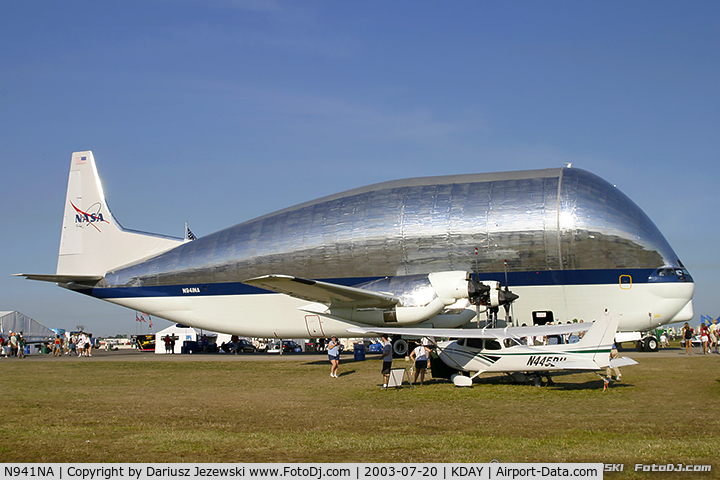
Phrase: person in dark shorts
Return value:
(168, 344)
(420, 356)
(334, 356)
(687, 335)
(387, 360)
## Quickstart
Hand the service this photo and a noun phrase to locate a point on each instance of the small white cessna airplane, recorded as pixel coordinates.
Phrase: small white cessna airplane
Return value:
(505, 349)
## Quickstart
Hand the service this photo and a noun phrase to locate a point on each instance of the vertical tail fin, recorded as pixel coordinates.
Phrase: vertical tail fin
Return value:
(92, 240)
(600, 337)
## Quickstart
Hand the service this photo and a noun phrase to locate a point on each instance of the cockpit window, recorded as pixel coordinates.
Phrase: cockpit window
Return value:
(511, 342)
(673, 272)
(492, 345)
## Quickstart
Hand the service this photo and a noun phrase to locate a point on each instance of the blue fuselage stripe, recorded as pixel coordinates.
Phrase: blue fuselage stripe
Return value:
(515, 279)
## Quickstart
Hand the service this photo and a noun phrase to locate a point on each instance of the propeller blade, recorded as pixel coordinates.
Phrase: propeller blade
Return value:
(506, 297)
(478, 293)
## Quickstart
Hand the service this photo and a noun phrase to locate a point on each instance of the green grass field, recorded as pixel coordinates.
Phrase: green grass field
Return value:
(666, 410)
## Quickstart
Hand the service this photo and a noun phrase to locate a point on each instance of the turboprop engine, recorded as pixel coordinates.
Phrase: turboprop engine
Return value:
(489, 294)
(422, 297)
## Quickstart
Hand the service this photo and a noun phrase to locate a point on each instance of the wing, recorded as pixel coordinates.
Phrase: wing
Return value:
(494, 333)
(541, 330)
(330, 294)
(423, 332)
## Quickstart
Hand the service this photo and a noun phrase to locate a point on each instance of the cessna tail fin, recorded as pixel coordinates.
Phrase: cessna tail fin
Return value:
(92, 240)
(601, 337)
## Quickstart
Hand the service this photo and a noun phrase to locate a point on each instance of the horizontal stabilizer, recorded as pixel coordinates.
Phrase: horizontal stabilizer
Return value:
(579, 364)
(622, 362)
(330, 294)
(84, 280)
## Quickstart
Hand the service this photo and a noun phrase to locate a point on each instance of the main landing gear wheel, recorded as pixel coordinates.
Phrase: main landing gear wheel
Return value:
(647, 344)
(537, 380)
(400, 348)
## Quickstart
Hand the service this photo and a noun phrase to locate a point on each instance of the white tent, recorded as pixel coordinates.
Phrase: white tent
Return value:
(33, 331)
(182, 334)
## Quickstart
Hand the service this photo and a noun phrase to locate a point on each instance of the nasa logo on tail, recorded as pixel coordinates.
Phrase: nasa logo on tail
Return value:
(91, 217)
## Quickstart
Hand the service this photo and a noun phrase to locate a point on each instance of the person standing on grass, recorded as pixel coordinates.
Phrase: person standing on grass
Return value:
(420, 356)
(13, 344)
(334, 356)
(387, 360)
(82, 342)
(610, 371)
(704, 338)
(21, 346)
(57, 349)
(687, 334)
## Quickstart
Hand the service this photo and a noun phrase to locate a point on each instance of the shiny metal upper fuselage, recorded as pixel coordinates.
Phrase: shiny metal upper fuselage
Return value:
(554, 223)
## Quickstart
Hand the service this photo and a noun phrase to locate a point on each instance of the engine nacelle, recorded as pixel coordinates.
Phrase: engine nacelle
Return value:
(446, 288)
(450, 286)
(422, 303)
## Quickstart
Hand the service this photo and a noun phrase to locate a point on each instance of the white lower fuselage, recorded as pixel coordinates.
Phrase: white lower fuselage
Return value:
(641, 307)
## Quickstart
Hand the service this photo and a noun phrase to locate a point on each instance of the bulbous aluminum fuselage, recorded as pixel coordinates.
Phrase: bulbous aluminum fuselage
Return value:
(559, 231)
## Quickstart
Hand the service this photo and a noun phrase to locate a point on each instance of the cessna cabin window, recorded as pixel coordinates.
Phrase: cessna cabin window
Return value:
(492, 345)
(475, 343)
(511, 342)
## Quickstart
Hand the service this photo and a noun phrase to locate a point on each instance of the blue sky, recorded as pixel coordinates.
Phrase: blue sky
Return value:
(216, 112)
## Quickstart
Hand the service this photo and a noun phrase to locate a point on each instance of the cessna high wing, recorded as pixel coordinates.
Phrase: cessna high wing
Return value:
(506, 350)
(434, 252)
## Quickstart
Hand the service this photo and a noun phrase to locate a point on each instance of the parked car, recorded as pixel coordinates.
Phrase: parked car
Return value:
(315, 345)
(288, 346)
(244, 346)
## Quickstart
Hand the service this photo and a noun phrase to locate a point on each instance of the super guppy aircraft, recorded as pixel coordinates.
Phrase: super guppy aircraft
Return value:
(398, 253)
